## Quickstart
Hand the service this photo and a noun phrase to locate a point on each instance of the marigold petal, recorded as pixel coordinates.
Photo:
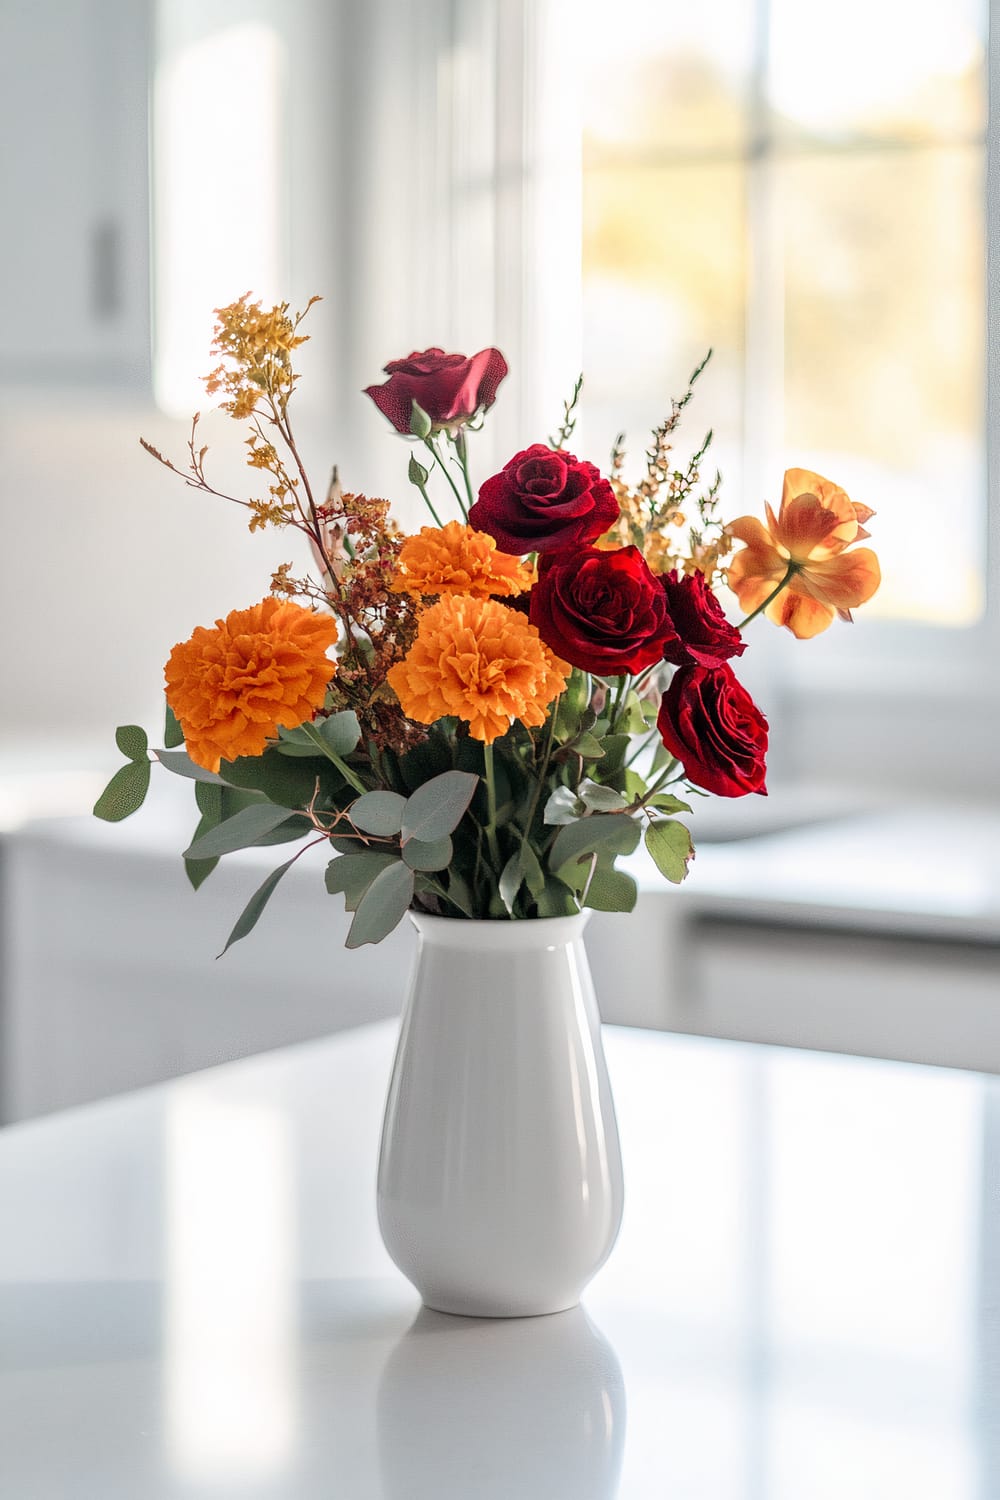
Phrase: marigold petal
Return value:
(477, 660)
(232, 685)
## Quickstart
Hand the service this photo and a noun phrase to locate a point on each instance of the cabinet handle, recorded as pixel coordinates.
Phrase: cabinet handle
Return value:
(105, 279)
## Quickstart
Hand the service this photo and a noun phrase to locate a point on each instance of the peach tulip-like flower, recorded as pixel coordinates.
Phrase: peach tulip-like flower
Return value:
(798, 566)
(233, 684)
(479, 661)
(456, 559)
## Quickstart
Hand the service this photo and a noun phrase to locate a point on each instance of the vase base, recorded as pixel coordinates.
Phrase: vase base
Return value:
(461, 1308)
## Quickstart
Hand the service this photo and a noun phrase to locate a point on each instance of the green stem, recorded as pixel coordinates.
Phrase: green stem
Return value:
(539, 784)
(660, 781)
(427, 502)
(619, 696)
(432, 448)
(462, 449)
(491, 805)
(790, 572)
(345, 770)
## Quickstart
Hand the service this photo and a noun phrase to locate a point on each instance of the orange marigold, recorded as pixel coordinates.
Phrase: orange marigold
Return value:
(457, 559)
(233, 685)
(479, 661)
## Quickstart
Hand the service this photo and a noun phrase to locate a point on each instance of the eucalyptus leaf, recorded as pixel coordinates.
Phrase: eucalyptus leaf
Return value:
(670, 845)
(238, 832)
(436, 808)
(534, 875)
(353, 873)
(198, 870)
(616, 749)
(250, 915)
(378, 812)
(125, 792)
(173, 734)
(563, 806)
(632, 719)
(340, 732)
(589, 746)
(610, 889)
(132, 741)
(608, 832)
(510, 882)
(429, 854)
(383, 905)
(600, 798)
(181, 764)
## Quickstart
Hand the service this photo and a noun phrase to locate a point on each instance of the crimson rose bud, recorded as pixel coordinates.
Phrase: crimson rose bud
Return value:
(704, 635)
(602, 611)
(449, 387)
(543, 501)
(716, 731)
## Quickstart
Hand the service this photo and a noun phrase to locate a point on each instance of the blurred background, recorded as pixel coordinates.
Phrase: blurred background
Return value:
(807, 190)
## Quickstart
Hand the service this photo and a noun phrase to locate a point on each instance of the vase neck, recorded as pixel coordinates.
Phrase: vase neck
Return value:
(464, 936)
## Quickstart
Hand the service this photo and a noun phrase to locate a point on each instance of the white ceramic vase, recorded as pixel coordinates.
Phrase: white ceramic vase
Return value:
(500, 1179)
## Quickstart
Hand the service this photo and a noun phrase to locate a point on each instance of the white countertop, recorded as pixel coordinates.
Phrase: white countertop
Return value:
(804, 1303)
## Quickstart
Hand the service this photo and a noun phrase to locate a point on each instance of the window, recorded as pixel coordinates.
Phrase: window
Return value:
(802, 187)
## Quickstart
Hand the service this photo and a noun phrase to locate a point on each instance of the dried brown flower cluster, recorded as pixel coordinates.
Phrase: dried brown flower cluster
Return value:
(353, 541)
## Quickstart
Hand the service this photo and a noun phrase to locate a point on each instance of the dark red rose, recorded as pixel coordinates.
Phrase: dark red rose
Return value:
(449, 387)
(544, 501)
(602, 611)
(716, 731)
(704, 635)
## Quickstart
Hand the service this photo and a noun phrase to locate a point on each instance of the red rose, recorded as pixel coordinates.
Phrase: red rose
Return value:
(543, 501)
(716, 731)
(704, 635)
(449, 387)
(602, 611)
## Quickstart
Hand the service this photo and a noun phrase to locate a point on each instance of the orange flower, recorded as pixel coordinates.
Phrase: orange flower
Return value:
(456, 559)
(479, 661)
(810, 535)
(231, 686)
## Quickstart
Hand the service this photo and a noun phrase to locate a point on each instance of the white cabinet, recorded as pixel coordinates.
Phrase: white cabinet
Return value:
(74, 184)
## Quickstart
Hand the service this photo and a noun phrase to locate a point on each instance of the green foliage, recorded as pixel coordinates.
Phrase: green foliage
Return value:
(383, 905)
(132, 742)
(436, 808)
(173, 735)
(428, 854)
(600, 798)
(181, 764)
(670, 845)
(378, 813)
(125, 792)
(608, 833)
(244, 829)
(250, 915)
(353, 873)
(420, 423)
(609, 889)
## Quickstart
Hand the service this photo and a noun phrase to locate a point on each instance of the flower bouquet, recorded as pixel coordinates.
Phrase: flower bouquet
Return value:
(476, 722)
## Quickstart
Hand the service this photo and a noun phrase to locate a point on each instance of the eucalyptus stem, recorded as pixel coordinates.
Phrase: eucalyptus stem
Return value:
(660, 780)
(790, 572)
(491, 805)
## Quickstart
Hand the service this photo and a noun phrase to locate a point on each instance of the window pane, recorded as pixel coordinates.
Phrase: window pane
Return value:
(664, 257)
(884, 357)
(665, 75)
(910, 68)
